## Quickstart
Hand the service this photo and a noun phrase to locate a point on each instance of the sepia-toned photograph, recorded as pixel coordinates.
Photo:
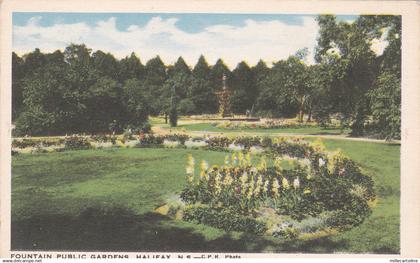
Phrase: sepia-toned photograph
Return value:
(210, 132)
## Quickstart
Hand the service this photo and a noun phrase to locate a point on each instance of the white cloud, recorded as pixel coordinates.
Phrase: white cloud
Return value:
(267, 40)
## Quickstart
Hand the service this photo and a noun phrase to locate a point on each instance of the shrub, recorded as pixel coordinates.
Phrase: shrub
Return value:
(32, 142)
(313, 183)
(181, 138)
(146, 127)
(288, 232)
(266, 142)
(77, 143)
(223, 219)
(248, 141)
(101, 138)
(147, 140)
(216, 142)
(128, 134)
(23, 143)
(267, 124)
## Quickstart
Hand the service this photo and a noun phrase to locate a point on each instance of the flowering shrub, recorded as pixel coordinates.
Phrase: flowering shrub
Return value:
(131, 143)
(218, 143)
(147, 140)
(170, 144)
(181, 138)
(256, 149)
(30, 142)
(302, 182)
(266, 124)
(191, 143)
(101, 145)
(75, 142)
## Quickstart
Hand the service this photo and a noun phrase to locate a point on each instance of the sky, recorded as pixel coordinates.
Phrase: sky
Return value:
(232, 37)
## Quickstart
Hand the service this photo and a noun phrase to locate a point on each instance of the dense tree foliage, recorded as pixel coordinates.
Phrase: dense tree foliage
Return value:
(83, 91)
(359, 74)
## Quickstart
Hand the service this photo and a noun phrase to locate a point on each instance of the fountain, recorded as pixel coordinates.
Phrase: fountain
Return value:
(224, 100)
(224, 105)
(225, 111)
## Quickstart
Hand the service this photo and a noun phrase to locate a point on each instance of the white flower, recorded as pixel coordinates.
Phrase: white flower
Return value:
(285, 183)
(296, 183)
(256, 149)
(100, 145)
(131, 143)
(190, 170)
(265, 187)
(235, 147)
(321, 162)
(204, 165)
(170, 144)
(305, 162)
(275, 187)
(244, 178)
(228, 180)
(195, 144)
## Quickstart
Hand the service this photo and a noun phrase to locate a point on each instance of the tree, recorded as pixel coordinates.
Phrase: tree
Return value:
(386, 105)
(79, 77)
(202, 93)
(130, 68)
(180, 67)
(182, 83)
(18, 73)
(297, 83)
(136, 98)
(34, 62)
(180, 77)
(105, 64)
(275, 96)
(105, 91)
(44, 110)
(217, 72)
(203, 97)
(260, 71)
(385, 97)
(346, 47)
(202, 69)
(154, 79)
(244, 88)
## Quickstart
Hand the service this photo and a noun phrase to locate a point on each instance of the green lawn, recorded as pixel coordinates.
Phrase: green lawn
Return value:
(104, 200)
(305, 130)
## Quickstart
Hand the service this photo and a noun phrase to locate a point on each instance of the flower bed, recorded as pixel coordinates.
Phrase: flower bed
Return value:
(298, 190)
(266, 124)
(78, 142)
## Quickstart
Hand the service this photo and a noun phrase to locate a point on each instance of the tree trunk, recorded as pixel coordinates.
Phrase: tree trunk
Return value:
(309, 116)
(302, 102)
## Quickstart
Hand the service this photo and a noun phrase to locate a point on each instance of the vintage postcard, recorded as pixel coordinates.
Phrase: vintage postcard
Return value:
(219, 129)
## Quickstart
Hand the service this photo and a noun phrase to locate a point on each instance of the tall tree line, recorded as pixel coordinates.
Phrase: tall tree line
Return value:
(83, 91)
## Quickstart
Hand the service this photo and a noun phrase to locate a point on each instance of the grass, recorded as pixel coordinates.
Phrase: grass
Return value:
(104, 200)
(305, 130)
